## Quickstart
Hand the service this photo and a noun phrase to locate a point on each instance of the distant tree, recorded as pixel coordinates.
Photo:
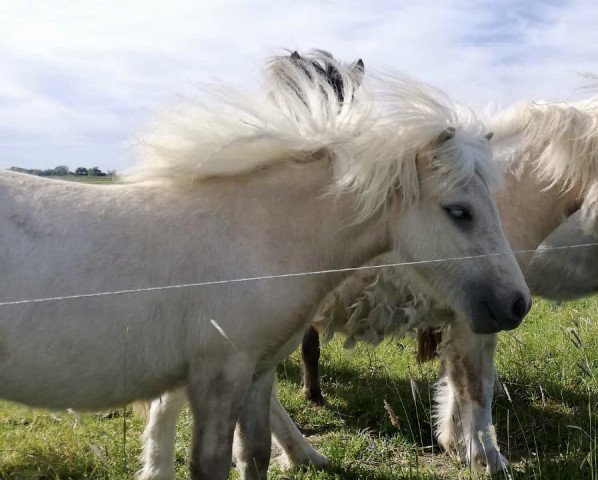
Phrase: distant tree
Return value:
(61, 171)
(95, 172)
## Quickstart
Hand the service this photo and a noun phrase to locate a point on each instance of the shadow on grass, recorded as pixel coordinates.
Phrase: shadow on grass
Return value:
(544, 422)
(537, 429)
(40, 445)
(534, 429)
(51, 463)
(358, 399)
(356, 471)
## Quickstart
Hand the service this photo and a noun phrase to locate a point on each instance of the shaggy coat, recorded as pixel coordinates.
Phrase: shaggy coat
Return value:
(412, 156)
(548, 152)
(242, 187)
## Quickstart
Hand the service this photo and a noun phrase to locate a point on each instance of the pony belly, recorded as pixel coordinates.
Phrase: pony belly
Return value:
(62, 392)
(85, 362)
(90, 386)
(270, 361)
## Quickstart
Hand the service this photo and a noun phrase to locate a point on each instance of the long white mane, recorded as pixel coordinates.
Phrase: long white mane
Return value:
(373, 137)
(560, 141)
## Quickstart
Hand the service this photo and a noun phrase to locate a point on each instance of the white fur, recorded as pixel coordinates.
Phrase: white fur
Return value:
(559, 141)
(370, 306)
(222, 197)
(159, 436)
(373, 139)
(361, 154)
(548, 150)
(550, 156)
(463, 417)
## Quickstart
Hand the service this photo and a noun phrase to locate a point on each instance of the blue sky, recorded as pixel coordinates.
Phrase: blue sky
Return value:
(78, 79)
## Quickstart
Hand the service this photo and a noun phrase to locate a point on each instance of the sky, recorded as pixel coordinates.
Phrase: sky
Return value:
(79, 79)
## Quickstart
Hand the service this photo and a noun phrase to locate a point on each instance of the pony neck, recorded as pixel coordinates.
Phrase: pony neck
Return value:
(530, 208)
(289, 206)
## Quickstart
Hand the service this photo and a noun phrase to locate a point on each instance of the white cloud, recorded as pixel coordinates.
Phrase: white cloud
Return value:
(79, 78)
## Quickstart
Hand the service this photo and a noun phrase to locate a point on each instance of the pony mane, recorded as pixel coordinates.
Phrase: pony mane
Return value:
(560, 141)
(373, 139)
(228, 132)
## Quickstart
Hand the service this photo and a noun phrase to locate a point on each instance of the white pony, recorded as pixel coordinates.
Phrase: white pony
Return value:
(549, 152)
(245, 187)
(158, 460)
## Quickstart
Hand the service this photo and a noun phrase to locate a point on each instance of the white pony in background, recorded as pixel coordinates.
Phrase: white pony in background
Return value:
(549, 152)
(302, 76)
(245, 187)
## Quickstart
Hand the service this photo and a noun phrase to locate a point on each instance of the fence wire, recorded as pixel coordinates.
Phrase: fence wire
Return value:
(284, 275)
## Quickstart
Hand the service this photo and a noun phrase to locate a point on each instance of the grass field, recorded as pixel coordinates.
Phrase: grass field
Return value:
(107, 180)
(547, 425)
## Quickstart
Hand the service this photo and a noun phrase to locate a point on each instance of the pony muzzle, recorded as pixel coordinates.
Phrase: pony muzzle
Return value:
(492, 314)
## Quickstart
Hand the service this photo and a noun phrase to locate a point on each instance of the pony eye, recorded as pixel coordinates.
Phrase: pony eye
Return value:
(458, 212)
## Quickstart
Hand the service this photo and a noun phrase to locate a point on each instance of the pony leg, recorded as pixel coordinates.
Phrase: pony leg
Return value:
(158, 437)
(252, 442)
(464, 413)
(485, 451)
(298, 451)
(447, 416)
(216, 391)
(310, 354)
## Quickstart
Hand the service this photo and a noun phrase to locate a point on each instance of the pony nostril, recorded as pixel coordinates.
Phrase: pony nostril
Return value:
(519, 308)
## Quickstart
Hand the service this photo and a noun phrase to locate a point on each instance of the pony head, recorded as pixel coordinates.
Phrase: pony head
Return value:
(434, 157)
(453, 235)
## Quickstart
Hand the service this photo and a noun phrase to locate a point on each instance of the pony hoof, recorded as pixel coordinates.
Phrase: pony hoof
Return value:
(311, 459)
(315, 398)
(498, 464)
(317, 461)
(314, 459)
(449, 442)
(154, 475)
(493, 463)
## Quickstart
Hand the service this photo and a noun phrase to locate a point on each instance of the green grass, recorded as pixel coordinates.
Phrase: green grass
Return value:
(547, 424)
(107, 180)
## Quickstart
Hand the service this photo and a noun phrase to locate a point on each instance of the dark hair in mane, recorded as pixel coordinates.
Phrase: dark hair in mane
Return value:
(228, 132)
(328, 68)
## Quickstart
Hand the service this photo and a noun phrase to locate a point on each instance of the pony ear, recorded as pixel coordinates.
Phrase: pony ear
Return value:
(358, 69)
(489, 135)
(445, 135)
(295, 56)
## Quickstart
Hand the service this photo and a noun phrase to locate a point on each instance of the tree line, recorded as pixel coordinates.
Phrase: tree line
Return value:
(64, 171)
